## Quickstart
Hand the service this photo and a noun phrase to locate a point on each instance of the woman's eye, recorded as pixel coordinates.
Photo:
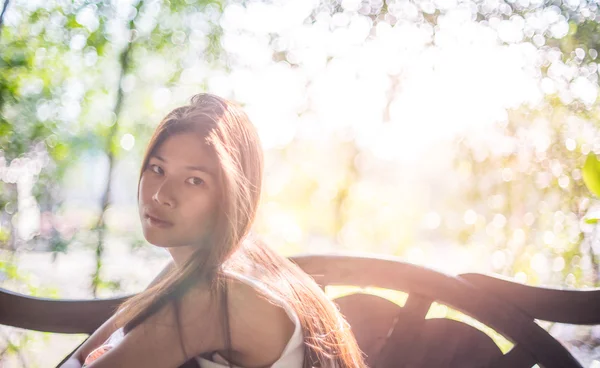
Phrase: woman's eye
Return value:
(196, 181)
(155, 168)
(158, 170)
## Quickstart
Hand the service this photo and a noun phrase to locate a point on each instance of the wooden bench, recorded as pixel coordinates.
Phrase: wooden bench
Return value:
(392, 335)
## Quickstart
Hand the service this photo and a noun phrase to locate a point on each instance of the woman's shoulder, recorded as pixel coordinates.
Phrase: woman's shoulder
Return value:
(258, 321)
(253, 302)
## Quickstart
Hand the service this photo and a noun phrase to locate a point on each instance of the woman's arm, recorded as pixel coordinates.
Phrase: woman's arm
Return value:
(163, 340)
(98, 337)
(104, 331)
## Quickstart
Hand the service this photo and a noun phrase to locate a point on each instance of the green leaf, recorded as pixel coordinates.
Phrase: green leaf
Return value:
(592, 218)
(591, 174)
(60, 151)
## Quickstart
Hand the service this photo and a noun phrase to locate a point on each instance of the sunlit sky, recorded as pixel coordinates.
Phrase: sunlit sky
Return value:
(464, 77)
(397, 88)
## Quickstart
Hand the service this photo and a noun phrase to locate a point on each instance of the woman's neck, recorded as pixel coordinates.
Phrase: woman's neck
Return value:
(181, 254)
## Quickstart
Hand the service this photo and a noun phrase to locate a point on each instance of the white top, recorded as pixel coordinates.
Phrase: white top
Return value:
(293, 353)
(291, 357)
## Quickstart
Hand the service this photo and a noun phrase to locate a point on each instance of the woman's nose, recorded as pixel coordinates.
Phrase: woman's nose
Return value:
(164, 194)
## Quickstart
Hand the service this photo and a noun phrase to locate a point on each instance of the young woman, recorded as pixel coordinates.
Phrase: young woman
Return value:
(229, 300)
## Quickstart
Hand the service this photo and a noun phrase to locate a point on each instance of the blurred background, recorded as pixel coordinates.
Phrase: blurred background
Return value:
(456, 134)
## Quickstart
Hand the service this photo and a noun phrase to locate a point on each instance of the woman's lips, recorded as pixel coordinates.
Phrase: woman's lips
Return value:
(156, 222)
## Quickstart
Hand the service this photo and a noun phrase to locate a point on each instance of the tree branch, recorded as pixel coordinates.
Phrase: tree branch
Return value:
(4, 7)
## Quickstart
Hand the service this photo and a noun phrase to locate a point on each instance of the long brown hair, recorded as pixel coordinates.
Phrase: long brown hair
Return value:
(227, 130)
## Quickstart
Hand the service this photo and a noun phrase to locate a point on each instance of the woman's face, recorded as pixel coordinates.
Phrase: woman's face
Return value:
(179, 186)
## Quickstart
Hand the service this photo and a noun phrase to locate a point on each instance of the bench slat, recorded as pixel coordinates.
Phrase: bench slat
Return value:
(546, 304)
(59, 316)
(371, 319)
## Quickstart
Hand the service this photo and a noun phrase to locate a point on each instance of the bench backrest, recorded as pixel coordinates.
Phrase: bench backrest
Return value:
(392, 333)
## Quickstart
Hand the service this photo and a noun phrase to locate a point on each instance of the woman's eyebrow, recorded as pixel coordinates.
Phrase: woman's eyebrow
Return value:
(203, 169)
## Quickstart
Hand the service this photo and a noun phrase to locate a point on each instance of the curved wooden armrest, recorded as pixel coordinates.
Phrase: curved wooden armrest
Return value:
(365, 270)
(61, 316)
(580, 307)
